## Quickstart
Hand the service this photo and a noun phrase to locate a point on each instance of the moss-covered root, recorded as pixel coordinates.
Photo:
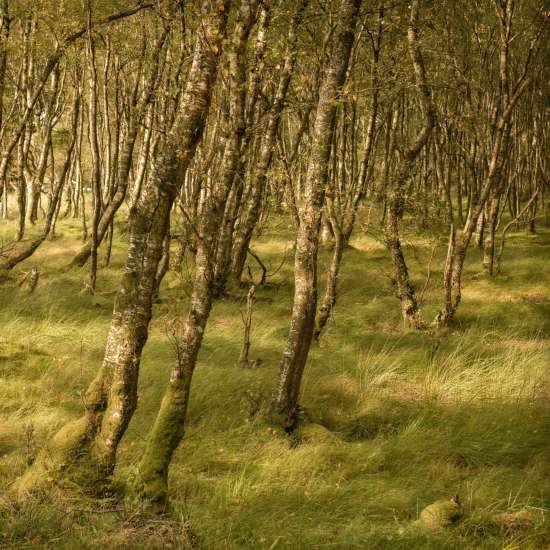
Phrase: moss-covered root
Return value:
(62, 452)
(151, 484)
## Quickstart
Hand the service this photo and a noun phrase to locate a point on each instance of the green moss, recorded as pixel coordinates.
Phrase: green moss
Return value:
(61, 452)
(442, 513)
(151, 483)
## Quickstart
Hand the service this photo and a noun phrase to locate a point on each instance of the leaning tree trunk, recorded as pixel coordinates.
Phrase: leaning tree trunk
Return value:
(329, 298)
(291, 368)
(168, 429)
(112, 396)
(341, 226)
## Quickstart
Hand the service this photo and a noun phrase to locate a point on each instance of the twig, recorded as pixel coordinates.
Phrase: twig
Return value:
(247, 320)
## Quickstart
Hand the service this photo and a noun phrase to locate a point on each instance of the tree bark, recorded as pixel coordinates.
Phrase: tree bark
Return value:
(329, 299)
(93, 139)
(169, 426)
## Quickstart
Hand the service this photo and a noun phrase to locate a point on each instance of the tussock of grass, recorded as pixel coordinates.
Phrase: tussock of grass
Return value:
(393, 420)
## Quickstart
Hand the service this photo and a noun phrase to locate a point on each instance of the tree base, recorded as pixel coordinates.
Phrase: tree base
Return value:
(66, 462)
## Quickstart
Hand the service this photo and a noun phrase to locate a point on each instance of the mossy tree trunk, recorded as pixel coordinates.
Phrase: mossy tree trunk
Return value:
(112, 396)
(291, 368)
(410, 309)
(169, 426)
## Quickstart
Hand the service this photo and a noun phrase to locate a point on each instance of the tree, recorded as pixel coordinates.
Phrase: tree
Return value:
(291, 368)
(111, 398)
(168, 429)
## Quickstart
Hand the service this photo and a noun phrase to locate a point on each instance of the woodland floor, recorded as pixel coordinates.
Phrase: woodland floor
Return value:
(396, 420)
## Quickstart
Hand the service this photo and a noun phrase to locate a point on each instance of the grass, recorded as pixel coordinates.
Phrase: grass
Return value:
(395, 420)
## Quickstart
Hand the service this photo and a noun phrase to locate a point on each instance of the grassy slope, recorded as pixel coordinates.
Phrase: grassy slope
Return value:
(403, 419)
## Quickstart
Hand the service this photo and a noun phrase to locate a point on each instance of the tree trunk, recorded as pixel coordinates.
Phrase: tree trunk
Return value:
(251, 210)
(329, 299)
(395, 198)
(169, 426)
(93, 137)
(285, 400)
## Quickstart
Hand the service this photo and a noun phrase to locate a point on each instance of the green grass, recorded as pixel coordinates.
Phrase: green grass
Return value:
(395, 420)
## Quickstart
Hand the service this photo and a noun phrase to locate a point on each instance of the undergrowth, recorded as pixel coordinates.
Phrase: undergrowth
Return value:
(392, 420)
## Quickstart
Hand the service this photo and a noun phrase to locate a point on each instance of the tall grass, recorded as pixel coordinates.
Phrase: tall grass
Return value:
(393, 420)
